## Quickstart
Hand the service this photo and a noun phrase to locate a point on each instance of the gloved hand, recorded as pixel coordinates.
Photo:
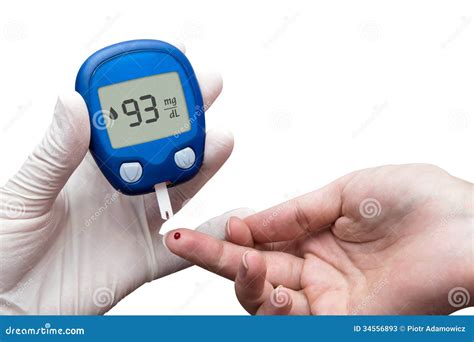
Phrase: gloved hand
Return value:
(71, 244)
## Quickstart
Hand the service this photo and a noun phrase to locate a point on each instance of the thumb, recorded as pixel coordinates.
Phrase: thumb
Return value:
(48, 168)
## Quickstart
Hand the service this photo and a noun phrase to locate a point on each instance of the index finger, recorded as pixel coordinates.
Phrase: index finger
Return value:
(302, 215)
(223, 258)
(212, 254)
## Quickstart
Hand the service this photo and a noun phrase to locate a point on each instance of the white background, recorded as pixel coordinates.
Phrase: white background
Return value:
(312, 90)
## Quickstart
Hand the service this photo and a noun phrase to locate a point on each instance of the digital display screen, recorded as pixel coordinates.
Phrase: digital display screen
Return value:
(144, 109)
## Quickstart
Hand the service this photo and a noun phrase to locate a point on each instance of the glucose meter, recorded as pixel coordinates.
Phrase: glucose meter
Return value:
(147, 117)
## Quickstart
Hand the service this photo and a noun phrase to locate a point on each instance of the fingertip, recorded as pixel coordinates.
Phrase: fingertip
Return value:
(256, 259)
(223, 135)
(230, 225)
(219, 145)
(239, 233)
(253, 265)
(218, 79)
(212, 78)
(179, 45)
(251, 286)
(70, 127)
(211, 85)
(235, 214)
(71, 105)
(176, 240)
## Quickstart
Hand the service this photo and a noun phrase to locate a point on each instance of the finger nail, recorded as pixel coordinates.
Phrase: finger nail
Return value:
(164, 242)
(244, 260)
(227, 229)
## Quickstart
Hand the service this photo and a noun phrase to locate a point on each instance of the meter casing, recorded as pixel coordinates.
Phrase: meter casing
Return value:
(132, 60)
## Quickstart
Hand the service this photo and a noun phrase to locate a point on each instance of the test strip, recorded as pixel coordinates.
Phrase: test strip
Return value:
(164, 202)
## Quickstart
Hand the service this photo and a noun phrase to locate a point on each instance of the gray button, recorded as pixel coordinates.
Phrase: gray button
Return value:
(185, 158)
(131, 172)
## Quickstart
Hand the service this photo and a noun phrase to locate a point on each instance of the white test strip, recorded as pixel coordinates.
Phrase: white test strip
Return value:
(164, 201)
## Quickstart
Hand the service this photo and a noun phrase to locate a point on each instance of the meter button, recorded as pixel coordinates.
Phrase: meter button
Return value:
(185, 158)
(131, 172)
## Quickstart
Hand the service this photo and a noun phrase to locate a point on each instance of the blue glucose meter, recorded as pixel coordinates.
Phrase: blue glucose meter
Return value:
(146, 112)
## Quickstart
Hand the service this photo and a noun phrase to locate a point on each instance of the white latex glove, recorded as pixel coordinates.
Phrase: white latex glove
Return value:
(71, 244)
